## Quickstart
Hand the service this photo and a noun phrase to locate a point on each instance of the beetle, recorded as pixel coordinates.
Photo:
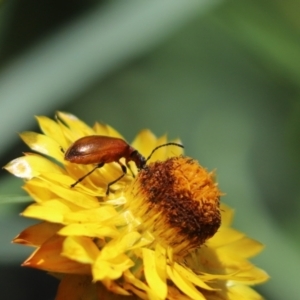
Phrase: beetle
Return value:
(100, 150)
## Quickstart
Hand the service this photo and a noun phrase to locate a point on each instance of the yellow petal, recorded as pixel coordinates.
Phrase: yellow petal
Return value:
(52, 129)
(48, 258)
(144, 142)
(184, 285)
(79, 128)
(94, 184)
(154, 280)
(112, 269)
(43, 144)
(31, 166)
(101, 215)
(251, 276)
(113, 287)
(227, 214)
(59, 178)
(119, 245)
(69, 194)
(215, 277)
(230, 262)
(66, 181)
(37, 234)
(90, 230)
(174, 150)
(52, 211)
(132, 283)
(218, 261)
(174, 293)
(192, 277)
(38, 191)
(104, 129)
(243, 292)
(161, 153)
(161, 261)
(126, 218)
(245, 247)
(224, 236)
(143, 241)
(81, 249)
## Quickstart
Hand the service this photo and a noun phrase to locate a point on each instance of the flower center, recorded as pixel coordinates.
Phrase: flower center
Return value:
(177, 201)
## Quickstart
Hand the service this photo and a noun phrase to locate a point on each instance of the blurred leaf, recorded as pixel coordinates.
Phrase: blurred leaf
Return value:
(264, 29)
(6, 199)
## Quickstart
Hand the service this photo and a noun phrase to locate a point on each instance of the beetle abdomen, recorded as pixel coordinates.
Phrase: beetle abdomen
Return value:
(96, 149)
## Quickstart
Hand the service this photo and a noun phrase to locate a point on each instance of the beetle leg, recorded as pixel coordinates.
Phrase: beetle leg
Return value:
(128, 166)
(87, 174)
(124, 169)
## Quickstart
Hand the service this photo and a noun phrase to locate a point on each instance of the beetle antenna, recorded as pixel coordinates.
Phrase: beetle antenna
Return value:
(164, 145)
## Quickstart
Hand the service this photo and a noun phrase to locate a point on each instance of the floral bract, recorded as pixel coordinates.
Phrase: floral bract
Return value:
(159, 235)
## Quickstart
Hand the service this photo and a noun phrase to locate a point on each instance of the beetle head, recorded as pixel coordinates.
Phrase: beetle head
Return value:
(139, 160)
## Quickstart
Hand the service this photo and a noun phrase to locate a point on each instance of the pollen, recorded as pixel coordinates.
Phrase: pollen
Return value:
(179, 200)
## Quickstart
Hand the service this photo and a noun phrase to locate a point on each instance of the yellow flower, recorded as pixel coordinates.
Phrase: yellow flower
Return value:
(161, 234)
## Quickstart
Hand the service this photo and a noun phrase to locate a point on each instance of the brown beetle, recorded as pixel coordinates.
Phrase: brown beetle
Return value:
(100, 150)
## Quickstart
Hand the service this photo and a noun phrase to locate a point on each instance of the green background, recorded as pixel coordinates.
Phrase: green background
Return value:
(224, 76)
